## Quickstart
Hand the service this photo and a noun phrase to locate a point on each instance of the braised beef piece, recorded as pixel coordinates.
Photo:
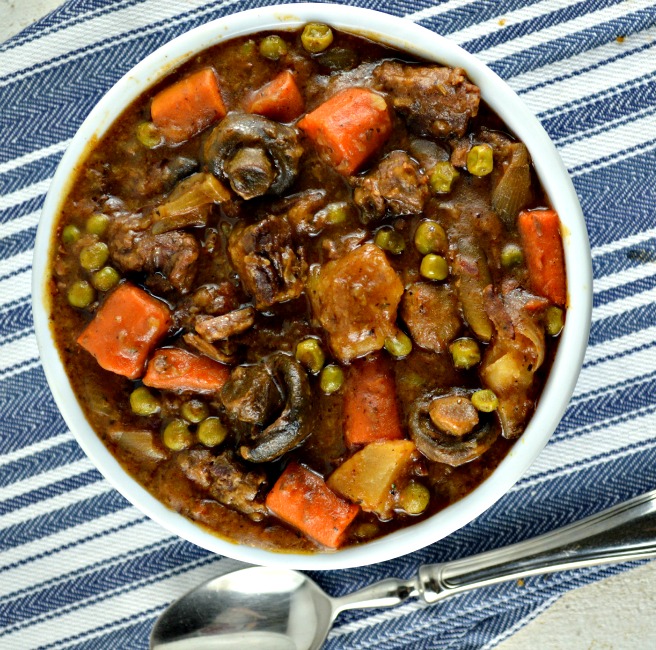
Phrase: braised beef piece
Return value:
(431, 313)
(133, 247)
(397, 186)
(226, 479)
(433, 100)
(304, 211)
(459, 150)
(140, 182)
(427, 153)
(271, 266)
(222, 327)
(208, 299)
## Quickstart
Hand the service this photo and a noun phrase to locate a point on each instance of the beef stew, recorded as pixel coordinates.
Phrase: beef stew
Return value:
(308, 295)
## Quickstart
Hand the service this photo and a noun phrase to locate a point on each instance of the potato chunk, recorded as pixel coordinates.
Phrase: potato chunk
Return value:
(355, 299)
(368, 477)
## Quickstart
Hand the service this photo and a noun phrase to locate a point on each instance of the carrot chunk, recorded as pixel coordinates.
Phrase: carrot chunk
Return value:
(349, 127)
(124, 331)
(543, 248)
(371, 412)
(302, 499)
(178, 370)
(188, 106)
(279, 100)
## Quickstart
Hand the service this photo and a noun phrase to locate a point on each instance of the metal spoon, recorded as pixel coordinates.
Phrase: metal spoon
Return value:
(276, 609)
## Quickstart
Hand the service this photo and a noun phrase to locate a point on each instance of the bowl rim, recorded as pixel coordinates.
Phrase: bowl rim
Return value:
(419, 41)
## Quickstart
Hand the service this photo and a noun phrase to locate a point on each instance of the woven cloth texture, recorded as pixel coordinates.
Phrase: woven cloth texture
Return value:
(82, 568)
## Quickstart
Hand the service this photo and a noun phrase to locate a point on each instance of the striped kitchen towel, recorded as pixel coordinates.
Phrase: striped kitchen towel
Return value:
(82, 568)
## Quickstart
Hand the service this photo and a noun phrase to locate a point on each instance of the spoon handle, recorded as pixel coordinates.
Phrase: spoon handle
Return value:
(624, 532)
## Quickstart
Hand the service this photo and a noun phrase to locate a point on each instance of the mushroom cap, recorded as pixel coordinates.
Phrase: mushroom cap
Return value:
(270, 164)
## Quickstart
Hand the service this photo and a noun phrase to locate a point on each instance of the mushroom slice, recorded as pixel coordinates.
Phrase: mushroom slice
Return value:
(251, 395)
(455, 444)
(254, 393)
(256, 155)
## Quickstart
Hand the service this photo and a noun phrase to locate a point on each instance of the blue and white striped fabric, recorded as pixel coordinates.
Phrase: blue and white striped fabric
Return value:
(81, 568)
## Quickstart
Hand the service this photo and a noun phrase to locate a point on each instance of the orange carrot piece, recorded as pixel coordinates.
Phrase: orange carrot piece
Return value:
(279, 100)
(349, 127)
(124, 331)
(188, 106)
(543, 247)
(302, 499)
(371, 412)
(178, 370)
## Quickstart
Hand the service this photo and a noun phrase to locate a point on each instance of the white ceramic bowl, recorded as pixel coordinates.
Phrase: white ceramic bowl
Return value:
(553, 175)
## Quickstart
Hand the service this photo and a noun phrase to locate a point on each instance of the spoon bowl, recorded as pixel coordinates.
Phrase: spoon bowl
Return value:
(267, 608)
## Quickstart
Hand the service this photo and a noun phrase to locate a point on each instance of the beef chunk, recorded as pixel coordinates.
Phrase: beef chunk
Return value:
(226, 479)
(221, 327)
(434, 101)
(271, 267)
(134, 248)
(431, 314)
(395, 187)
(208, 299)
(355, 300)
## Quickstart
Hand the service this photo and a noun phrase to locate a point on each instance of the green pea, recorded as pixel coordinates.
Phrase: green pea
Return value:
(554, 320)
(430, 238)
(465, 353)
(485, 400)
(81, 294)
(97, 224)
(390, 240)
(480, 160)
(105, 279)
(70, 234)
(414, 498)
(143, 402)
(148, 135)
(511, 255)
(194, 410)
(93, 257)
(273, 47)
(316, 37)
(247, 49)
(310, 354)
(366, 530)
(442, 177)
(176, 435)
(336, 213)
(338, 58)
(331, 379)
(399, 345)
(211, 432)
(434, 267)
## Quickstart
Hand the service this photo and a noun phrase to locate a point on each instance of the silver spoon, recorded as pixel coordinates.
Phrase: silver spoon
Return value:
(280, 609)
